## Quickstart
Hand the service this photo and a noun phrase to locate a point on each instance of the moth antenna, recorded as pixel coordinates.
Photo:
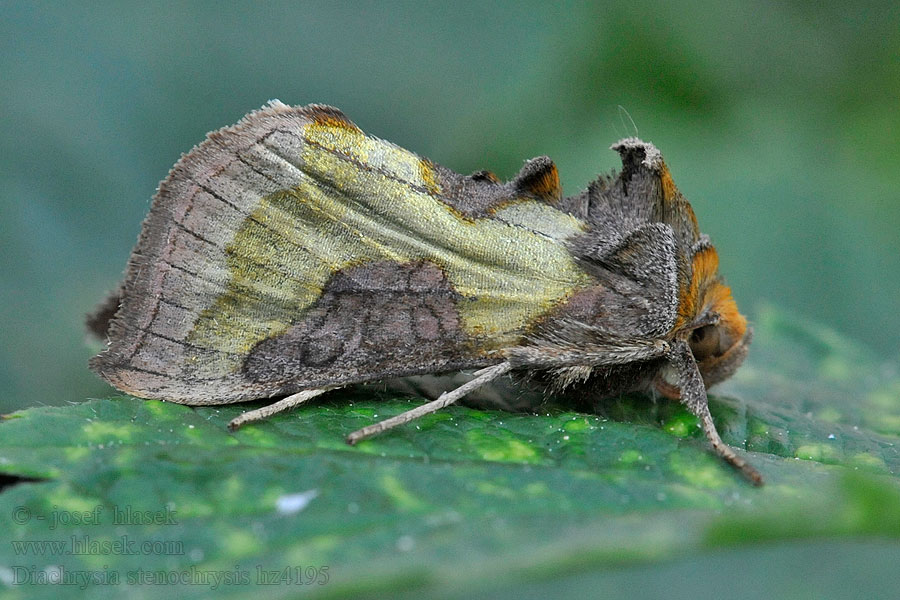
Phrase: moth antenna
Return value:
(622, 111)
(275, 408)
(446, 399)
(693, 396)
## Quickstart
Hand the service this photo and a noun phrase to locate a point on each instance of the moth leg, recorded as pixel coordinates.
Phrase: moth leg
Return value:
(693, 395)
(275, 408)
(446, 399)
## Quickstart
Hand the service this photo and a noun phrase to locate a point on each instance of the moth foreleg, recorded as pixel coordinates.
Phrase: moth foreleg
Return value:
(276, 407)
(446, 399)
(693, 396)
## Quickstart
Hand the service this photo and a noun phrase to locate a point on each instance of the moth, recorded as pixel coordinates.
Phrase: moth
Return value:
(292, 254)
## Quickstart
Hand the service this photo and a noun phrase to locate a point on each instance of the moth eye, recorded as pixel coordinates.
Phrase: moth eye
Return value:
(705, 342)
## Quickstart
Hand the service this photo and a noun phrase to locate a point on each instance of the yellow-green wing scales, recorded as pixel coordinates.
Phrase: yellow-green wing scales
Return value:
(292, 250)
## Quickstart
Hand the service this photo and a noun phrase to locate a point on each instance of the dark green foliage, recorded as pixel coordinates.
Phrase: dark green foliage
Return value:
(471, 502)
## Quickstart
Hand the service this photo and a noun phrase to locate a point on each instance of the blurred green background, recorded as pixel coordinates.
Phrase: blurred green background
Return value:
(779, 120)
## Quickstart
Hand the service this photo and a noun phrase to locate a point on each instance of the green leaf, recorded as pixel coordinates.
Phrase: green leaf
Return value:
(465, 502)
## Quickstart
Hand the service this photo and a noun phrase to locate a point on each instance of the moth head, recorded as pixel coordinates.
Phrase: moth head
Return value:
(719, 347)
(717, 334)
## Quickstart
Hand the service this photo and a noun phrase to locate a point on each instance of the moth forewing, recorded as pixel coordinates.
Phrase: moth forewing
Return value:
(291, 254)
